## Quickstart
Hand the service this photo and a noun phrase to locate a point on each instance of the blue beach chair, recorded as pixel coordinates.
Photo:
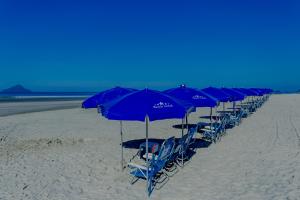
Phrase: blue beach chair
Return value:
(156, 173)
(183, 151)
(214, 131)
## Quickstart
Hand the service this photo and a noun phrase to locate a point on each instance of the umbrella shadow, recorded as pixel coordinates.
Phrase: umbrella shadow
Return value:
(135, 144)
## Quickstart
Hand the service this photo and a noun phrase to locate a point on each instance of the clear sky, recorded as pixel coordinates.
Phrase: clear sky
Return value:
(90, 45)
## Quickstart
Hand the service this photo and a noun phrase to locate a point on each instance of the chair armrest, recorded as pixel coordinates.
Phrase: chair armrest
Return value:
(150, 156)
(134, 165)
(207, 130)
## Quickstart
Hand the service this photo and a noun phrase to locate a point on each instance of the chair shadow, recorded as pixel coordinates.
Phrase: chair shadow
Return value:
(185, 126)
(200, 144)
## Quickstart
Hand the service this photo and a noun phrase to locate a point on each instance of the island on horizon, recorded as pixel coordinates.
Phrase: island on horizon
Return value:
(16, 89)
(19, 93)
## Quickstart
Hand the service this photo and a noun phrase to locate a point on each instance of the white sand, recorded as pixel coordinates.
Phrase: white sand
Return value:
(75, 154)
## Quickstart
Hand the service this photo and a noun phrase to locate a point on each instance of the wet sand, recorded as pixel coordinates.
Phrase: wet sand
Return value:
(12, 108)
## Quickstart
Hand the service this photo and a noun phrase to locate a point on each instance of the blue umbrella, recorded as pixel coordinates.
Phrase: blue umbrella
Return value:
(197, 97)
(139, 105)
(105, 96)
(234, 95)
(240, 91)
(246, 91)
(258, 91)
(218, 94)
(145, 105)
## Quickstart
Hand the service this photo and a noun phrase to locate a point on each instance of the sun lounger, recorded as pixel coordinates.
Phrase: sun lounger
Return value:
(155, 166)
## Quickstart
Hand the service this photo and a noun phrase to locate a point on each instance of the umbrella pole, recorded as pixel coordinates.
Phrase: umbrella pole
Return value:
(186, 122)
(122, 155)
(223, 106)
(211, 119)
(147, 162)
(216, 113)
(210, 114)
(233, 105)
(182, 132)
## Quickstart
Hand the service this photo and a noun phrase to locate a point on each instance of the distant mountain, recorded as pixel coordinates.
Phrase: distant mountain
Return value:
(17, 89)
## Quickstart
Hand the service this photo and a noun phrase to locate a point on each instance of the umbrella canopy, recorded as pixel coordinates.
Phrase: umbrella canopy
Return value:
(197, 97)
(235, 95)
(155, 105)
(105, 96)
(263, 90)
(247, 92)
(217, 93)
(258, 91)
(269, 91)
(254, 92)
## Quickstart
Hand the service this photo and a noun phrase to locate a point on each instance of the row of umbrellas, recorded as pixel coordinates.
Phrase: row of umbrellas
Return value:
(126, 104)
(207, 97)
(148, 105)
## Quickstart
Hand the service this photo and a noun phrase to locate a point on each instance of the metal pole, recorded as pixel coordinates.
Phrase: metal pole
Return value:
(147, 161)
(210, 120)
(233, 105)
(182, 132)
(122, 157)
(210, 114)
(223, 106)
(216, 113)
(186, 122)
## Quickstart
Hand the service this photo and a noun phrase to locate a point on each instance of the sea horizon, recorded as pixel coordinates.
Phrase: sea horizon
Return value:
(44, 96)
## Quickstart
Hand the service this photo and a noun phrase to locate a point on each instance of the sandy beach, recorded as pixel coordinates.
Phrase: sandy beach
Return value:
(75, 154)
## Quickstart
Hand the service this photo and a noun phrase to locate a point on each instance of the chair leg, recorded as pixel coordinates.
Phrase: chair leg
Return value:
(159, 183)
(171, 171)
(133, 180)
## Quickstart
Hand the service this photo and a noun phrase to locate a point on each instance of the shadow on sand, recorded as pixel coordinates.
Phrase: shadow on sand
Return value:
(135, 144)
(179, 126)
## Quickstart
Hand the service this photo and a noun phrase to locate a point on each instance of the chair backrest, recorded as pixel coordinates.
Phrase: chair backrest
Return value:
(166, 151)
(166, 148)
(192, 131)
(181, 144)
(218, 126)
(186, 140)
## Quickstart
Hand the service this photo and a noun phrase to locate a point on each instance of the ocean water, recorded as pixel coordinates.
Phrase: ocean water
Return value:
(43, 96)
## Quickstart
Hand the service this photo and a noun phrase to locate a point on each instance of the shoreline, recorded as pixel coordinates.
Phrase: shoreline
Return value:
(28, 106)
(40, 98)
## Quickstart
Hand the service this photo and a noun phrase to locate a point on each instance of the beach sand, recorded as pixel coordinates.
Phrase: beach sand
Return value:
(75, 154)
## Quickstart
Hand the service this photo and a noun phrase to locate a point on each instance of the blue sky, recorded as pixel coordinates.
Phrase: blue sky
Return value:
(91, 45)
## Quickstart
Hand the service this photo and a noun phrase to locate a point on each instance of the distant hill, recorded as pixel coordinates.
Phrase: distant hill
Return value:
(17, 89)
